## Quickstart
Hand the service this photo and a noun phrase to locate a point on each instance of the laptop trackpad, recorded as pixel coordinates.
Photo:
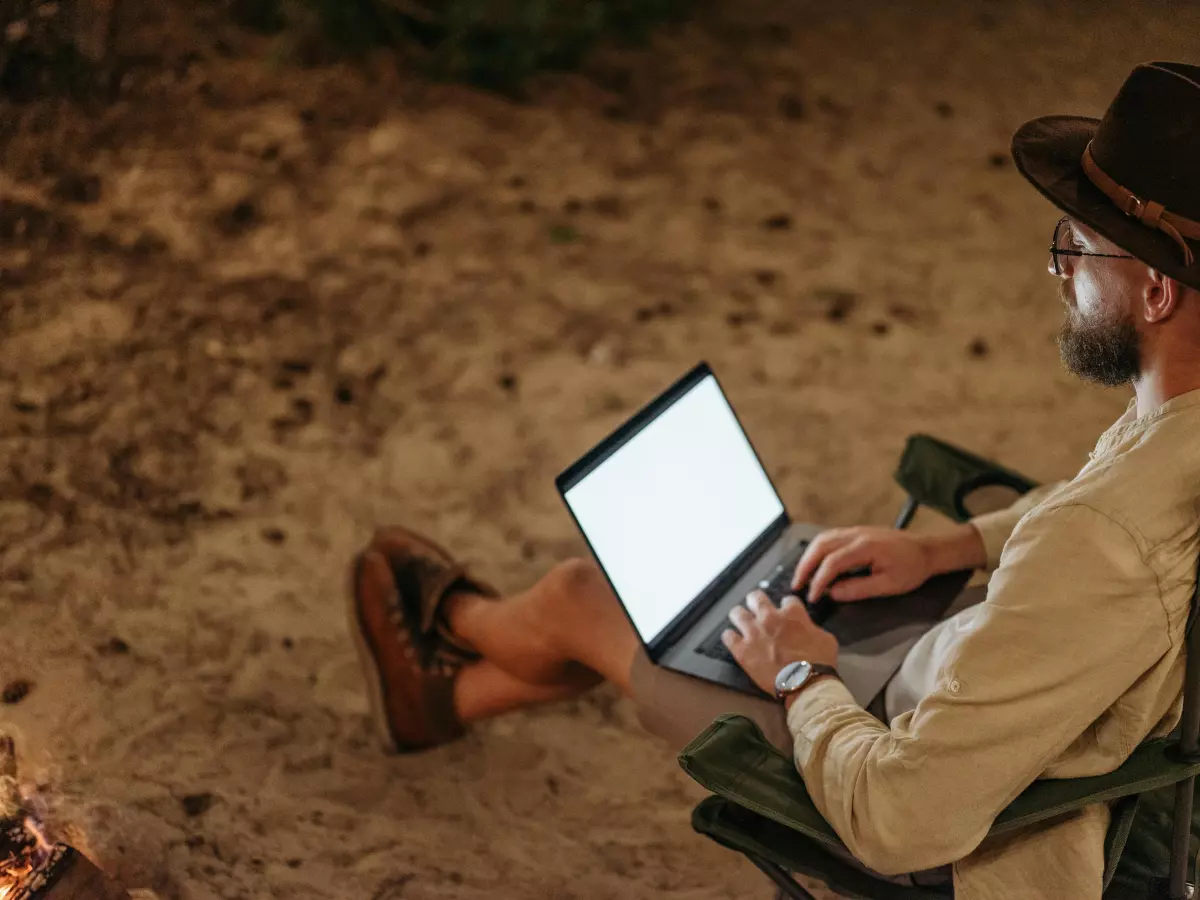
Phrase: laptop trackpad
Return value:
(875, 635)
(867, 667)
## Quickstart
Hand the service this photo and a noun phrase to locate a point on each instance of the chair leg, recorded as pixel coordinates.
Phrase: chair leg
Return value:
(789, 888)
(1178, 887)
(907, 512)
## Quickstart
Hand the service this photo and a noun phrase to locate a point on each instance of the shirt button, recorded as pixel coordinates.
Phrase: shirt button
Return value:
(955, 686)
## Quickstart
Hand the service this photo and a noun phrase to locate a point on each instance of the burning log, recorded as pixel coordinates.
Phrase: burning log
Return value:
(66, 875)
(32, 868)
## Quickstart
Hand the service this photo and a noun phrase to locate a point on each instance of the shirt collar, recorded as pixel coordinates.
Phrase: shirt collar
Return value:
(1130, 424)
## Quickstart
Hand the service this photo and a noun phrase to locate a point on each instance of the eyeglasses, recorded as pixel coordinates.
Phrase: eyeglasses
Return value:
(1062, 235)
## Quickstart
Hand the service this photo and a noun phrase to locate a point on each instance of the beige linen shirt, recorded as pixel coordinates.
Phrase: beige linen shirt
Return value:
(1074, 658)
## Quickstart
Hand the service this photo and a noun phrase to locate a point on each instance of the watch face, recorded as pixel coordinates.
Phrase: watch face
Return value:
(792, 677)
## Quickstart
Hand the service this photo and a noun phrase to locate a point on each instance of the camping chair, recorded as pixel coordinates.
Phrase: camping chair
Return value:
(761, 808)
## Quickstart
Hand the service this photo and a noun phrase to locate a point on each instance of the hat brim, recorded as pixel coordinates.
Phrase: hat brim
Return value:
(1048, 151)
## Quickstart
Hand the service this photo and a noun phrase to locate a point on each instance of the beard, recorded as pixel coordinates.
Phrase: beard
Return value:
(1106, 351)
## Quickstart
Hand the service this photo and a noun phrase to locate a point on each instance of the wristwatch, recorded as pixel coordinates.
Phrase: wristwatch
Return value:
(794, 676)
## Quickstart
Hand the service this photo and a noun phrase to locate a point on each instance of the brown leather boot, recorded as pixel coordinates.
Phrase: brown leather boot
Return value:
(409, 656)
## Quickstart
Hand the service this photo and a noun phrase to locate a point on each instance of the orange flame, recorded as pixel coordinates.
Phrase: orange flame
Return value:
(11, 875)
(12, 879)
(37, 849)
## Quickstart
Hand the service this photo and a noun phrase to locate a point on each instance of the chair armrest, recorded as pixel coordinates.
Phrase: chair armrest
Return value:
(940, 475)
(761, 839)
(734, 760)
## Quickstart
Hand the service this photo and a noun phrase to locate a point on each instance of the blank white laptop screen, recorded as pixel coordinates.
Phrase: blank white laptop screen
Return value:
(670, 509)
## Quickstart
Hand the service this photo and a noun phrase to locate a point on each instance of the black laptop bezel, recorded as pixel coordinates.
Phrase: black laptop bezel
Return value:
(575, 473)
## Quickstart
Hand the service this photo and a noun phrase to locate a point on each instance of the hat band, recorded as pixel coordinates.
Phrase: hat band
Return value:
(1145, 211)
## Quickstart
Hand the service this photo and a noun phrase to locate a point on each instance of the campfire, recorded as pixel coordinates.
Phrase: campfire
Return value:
(32, 867)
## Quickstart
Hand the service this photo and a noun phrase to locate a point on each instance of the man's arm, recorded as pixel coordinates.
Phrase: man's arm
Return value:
(996, 527)
(1072, 620)
(961, 547)
(900, 561)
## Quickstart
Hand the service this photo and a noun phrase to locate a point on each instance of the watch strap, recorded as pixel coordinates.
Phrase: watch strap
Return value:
(822, 669)
(815, 670)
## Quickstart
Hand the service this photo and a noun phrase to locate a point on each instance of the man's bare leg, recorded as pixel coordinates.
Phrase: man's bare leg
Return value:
(556, 640)
(484, 690)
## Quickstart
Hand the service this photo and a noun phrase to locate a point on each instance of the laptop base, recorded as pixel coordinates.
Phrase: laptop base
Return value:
(874, 635)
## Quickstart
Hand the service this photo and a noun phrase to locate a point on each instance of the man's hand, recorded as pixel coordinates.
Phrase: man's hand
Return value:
(899, 562)
(767, 639)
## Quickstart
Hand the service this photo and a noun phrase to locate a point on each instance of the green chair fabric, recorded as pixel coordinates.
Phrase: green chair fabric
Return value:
(746, 832)
(940, 476)
(733, 759)
(1147, 849)
(738, 829)
(761, 807)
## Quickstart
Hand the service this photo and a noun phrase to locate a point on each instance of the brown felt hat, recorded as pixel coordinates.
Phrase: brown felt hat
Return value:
(1133, 176)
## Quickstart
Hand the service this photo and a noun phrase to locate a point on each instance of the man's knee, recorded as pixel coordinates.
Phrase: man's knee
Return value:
(584, 618)
(579, 579)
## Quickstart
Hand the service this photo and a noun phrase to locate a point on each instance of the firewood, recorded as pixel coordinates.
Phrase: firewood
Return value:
(30, 867)
(69, 875)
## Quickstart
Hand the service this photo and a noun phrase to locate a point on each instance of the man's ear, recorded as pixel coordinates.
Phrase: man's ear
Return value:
(1161, 297)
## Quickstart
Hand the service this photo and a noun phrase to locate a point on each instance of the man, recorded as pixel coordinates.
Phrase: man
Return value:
(1075, 657)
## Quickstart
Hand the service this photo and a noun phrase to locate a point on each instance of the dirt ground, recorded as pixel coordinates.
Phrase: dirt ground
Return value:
(250, 311)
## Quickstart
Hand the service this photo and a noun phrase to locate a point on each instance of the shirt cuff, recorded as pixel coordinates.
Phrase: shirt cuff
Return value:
(995, 528)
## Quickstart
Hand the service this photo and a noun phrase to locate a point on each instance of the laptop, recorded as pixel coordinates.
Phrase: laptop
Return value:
(685, 522)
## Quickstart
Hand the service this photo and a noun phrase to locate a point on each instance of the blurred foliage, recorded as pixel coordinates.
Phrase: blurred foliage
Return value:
(563, 234)
(491, 43)
(54, 47)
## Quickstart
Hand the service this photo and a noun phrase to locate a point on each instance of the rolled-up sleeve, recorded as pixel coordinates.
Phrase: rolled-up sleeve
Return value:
(1073, 618)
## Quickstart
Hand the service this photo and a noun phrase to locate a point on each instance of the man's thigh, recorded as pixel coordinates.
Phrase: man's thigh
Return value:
(678, 707)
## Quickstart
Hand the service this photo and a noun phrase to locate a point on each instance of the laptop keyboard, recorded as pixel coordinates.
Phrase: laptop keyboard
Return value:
(776, 585)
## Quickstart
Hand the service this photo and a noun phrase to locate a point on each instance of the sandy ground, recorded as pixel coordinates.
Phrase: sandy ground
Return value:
(250, 312)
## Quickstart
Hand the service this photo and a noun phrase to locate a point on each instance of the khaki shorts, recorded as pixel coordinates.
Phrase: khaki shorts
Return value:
(678, 707)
